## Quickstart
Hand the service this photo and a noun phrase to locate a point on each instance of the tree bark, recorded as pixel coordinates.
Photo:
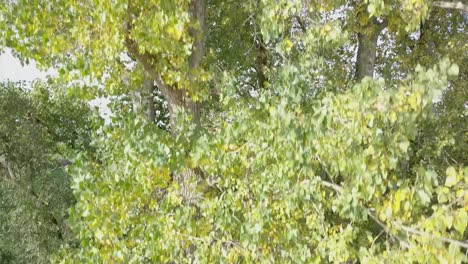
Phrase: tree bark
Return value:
(150, 112)
(260, 61)
(178, 99)
(367, 49)
(143, 100)
(365, 61)
(197, 12)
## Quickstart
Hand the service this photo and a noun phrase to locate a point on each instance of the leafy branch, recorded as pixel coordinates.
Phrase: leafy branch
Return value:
(386, 228)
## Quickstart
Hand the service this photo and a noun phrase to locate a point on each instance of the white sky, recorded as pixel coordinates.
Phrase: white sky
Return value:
(11, 69)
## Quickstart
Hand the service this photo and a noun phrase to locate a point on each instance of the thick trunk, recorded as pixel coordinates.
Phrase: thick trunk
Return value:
(178, 99)
(148, 97)
(367, 49)
(197, 12)
(366, 55)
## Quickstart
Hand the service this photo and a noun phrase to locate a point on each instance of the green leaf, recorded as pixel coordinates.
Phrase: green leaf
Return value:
(451, 179)
(425, 198)
(453, 70)
(461, 221)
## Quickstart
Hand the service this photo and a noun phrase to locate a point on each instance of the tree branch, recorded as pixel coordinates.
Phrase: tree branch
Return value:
(338, 189)
(177, 98)
(146, 60)
(410, 230)
(452, 5)
(197, 11)
(333, 186)
(367, 48)
(424, 234)
(4, 162)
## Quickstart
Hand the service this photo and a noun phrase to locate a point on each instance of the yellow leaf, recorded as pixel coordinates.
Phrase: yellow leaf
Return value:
(451, 179)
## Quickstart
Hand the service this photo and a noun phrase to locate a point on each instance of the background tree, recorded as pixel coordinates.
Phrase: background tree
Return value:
(40, 129)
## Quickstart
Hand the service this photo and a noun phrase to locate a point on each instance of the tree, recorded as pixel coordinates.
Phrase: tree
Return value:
(301, 136)
(39, 130)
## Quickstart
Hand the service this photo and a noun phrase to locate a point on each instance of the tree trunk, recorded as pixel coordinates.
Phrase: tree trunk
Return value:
(366, 55)
(367, 49)
(178, 99)
(260, 61)
(426, 41)
(148, 96)
(261, 56)
(143, 100)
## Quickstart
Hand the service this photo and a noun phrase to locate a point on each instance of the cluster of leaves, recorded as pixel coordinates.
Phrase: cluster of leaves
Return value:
(40, 127)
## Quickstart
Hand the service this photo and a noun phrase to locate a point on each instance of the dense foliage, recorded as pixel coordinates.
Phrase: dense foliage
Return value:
(40, 128)
(260, 131)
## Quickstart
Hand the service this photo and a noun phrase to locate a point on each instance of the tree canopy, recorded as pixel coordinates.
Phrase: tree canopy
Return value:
(258, 131)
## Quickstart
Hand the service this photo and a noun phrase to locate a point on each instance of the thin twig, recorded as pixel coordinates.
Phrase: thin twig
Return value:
(387, 229)
(377, 237)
